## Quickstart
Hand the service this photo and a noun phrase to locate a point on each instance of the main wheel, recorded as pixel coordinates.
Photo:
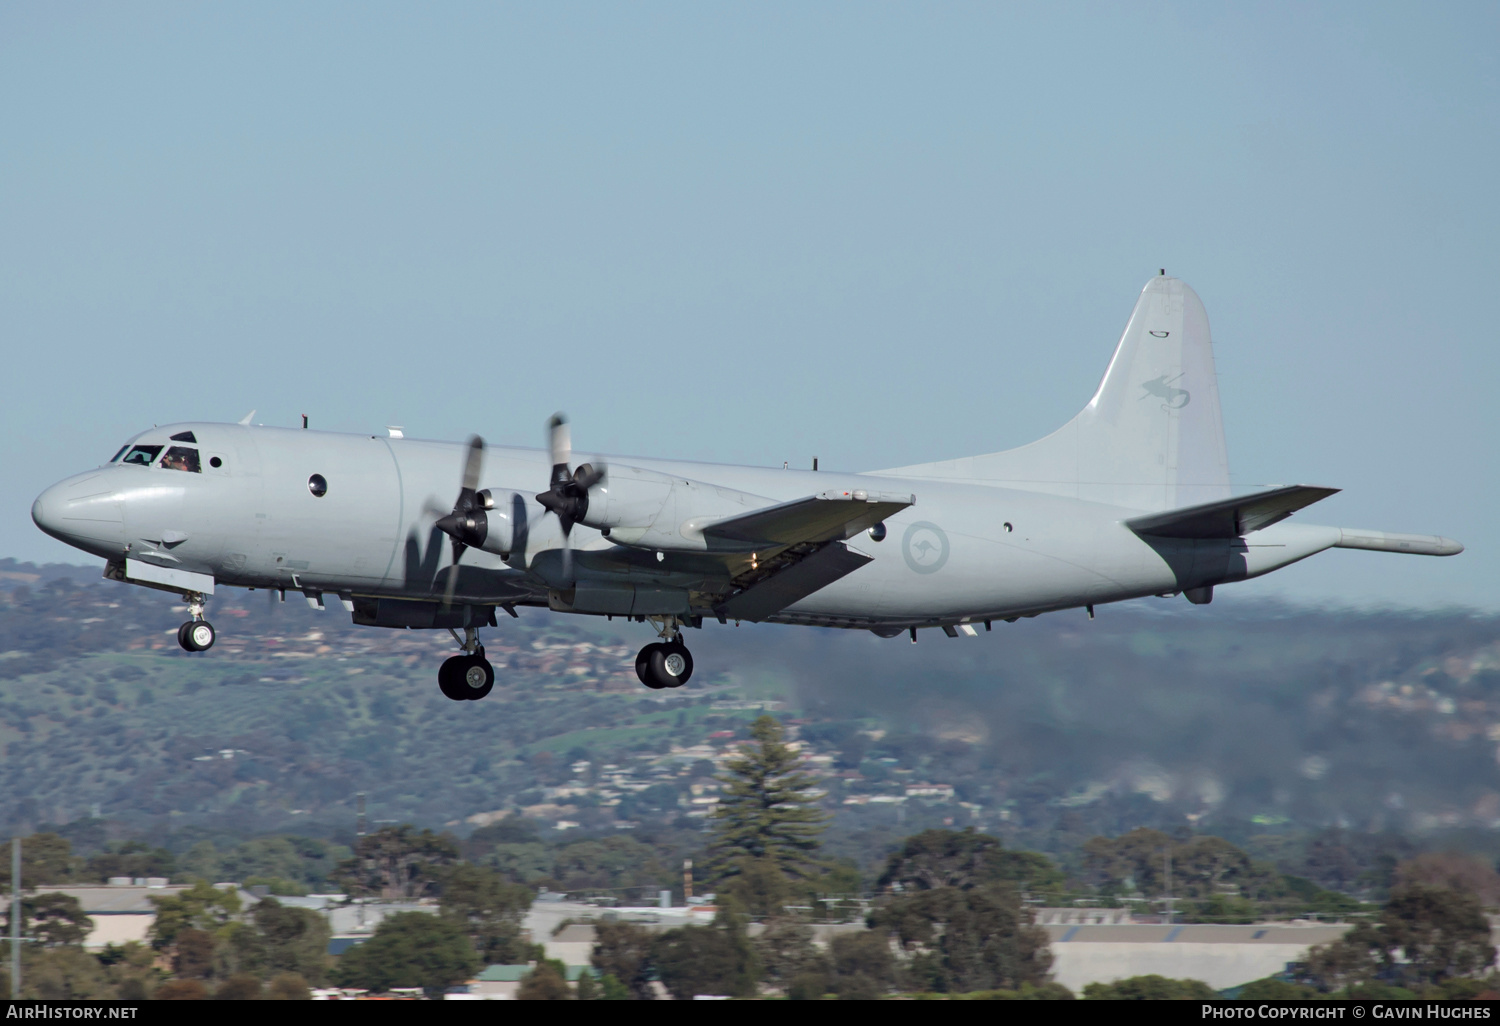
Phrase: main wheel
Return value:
(196, 636)
(466, 678)
(666, 666)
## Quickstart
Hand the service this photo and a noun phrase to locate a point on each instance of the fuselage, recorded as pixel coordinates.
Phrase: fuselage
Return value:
(246, 508)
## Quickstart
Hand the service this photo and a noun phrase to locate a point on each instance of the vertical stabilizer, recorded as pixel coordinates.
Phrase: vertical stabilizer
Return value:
(1151, 438)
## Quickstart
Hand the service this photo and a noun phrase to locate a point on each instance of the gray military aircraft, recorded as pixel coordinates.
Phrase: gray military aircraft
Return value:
(1130, 498)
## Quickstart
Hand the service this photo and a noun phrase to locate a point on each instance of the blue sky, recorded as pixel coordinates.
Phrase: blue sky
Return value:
(874, 233)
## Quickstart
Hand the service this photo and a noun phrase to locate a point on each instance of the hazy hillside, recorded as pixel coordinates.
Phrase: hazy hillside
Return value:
(1249, 723)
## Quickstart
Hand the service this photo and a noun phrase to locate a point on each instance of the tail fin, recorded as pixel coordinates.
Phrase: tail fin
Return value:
(1151, 438)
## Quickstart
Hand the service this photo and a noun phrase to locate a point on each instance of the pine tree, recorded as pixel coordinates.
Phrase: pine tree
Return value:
(767, 822)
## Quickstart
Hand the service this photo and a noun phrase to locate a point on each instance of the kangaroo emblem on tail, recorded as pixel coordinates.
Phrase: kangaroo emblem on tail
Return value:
(1162, 388)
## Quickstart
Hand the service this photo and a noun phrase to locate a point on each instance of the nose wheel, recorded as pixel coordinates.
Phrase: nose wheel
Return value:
(664, 665)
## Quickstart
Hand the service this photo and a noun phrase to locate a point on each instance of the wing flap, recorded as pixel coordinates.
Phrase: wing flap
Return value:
(814, 519)
(799, 580)
(1230, 518)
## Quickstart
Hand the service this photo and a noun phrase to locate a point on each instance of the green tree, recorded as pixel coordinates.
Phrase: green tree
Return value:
(276, 938)
(45, 859)
(964, 859)
(588, 987)
(767, 821)
(398, 863)
(409, 949)
(1150, 988)
(63, 974)
(547, 982)
(785, 951)
(200, 907)
(193, 954)
(717, 959)
(489, 909)
(288, 987)
(1425, 936)
(863, 966)
(622, 953)
(239, 987)
(1441, 932)
(959, 912)
(52, 919)
(131, 968)
(1273, 989)
(135, 859)
(181, 990)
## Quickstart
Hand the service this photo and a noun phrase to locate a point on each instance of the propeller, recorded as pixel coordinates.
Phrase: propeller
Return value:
(468, 524)
(568, 494)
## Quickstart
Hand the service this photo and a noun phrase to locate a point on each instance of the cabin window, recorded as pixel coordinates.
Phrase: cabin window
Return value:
(318, 485)
(184, 436)
(180, 457)
(142, 455)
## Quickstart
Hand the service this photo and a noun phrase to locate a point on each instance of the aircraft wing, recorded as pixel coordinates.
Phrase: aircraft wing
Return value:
(812, 520)
(1230, 518)
(801, 547)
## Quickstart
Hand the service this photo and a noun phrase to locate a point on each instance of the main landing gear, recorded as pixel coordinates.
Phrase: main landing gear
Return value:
(467, 677)
(197, 635)
(666, 663)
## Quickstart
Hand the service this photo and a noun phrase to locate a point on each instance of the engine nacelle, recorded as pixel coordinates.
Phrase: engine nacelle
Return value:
(648, 509)
(506, 519)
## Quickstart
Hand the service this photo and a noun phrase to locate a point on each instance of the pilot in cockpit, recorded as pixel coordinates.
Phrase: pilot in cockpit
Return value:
(181, 458)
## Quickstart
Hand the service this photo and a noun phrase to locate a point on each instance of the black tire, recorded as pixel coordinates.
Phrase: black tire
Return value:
(669, 665)
(197, 636)
(450, 678)
(683, 675)
(643, 662)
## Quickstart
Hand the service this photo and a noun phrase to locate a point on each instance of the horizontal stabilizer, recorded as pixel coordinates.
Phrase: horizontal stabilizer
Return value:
(1382, 541)
(1230, 518)
(817, 518)
(796, 582)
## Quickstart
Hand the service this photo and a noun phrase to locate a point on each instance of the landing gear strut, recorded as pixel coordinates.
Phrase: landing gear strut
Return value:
(666, 663)
(469, 676)
(197, 635)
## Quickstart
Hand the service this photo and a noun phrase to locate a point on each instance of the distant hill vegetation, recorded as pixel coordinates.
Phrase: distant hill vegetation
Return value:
(1268, 725)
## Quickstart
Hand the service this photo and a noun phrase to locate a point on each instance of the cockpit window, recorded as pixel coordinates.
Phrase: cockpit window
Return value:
(184, 436)
(143, 454)
(116, 457)
(180, 457)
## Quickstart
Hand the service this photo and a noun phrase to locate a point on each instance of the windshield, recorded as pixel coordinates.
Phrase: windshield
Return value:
(180, 457)
(143, 454)
(116, 457)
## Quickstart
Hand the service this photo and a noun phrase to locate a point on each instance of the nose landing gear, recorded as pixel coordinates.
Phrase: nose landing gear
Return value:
(668, 663)
(197, 635)
(469, 676)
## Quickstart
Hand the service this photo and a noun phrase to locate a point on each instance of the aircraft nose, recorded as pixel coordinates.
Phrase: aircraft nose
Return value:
(84, 512)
